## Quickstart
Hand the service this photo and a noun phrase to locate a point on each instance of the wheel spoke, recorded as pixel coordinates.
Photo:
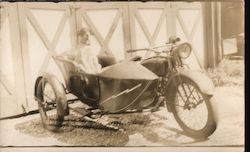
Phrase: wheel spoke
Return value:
(183, 87)
(48, 97)
(193, 116)
(191, 93)
(180, 95)
(52, 116)
(179, 105)
(49, 104)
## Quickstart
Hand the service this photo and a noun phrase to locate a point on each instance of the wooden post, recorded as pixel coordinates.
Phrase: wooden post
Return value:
(219, 37)
(73, 25)
(14, 102)
(132, 24)
(212, 23)
(171, 21)
(25, 52)
(18, 62)
(126, 29)
(210, 54)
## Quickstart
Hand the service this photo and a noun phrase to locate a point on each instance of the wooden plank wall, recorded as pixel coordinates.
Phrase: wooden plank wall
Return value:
(108, 22)
(12, 87)
(40, 30)
(47, 29)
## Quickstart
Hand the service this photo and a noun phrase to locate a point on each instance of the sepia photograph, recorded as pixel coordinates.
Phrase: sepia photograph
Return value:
(122, 76)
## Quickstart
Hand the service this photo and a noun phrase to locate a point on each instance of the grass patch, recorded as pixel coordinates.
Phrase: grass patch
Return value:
(228, 73)
(77, 132)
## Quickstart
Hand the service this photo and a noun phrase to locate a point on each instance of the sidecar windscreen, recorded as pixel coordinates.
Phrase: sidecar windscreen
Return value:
(128, 70)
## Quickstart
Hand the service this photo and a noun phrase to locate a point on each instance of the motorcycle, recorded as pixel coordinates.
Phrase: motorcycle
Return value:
(133, 85)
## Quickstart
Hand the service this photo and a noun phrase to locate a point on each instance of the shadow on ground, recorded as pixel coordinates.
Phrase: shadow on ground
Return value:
(140, 128)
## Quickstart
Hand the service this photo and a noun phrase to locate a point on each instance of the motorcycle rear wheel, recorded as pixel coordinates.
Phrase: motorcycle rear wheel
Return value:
(193, 109)
(52, 104)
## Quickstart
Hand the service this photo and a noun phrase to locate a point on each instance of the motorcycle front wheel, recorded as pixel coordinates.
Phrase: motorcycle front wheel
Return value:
(193, 109)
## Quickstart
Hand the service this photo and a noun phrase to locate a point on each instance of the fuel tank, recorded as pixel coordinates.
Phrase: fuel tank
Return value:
(157, 65)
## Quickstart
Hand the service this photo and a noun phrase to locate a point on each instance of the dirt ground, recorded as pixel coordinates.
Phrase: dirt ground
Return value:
(141, 129)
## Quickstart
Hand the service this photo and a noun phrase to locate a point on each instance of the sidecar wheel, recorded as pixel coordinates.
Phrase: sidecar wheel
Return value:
(52, 103)
(194, 112)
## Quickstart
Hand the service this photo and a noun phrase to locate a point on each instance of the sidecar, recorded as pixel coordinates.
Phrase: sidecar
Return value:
(117, 88)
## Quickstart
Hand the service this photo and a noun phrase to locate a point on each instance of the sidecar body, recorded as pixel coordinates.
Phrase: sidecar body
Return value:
(118, 87)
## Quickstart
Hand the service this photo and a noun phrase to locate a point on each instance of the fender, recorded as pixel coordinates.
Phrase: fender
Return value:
(59, 91)
(204, 83)
(38, 83)
(36, 93)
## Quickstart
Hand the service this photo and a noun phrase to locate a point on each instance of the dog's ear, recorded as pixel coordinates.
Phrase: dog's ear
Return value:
(84, 30)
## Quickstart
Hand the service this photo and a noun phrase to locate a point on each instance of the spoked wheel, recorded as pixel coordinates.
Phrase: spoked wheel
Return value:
(52, 102)
(193, 110)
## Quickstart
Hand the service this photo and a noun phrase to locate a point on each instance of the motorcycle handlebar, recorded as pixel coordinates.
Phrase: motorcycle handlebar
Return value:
(172, 40)
(148, 49)
(144, 49)
(136, 50)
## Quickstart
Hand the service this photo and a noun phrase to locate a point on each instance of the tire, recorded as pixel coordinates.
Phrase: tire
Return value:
(52, 103)
(209, 112)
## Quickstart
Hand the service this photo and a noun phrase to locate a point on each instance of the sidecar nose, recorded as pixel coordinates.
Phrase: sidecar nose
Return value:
(128, 70)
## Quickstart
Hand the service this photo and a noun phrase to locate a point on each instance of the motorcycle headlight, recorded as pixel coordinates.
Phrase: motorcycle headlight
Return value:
(184, 50)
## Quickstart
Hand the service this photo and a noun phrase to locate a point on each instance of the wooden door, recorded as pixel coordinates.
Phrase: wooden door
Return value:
(12, 91)
(189, 27)
(109, 24)
(150, 24)
(153, 23)
(46, 29)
